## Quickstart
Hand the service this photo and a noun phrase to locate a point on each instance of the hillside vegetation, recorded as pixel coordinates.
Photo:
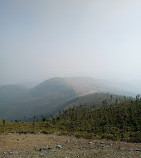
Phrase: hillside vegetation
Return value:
(119, 120)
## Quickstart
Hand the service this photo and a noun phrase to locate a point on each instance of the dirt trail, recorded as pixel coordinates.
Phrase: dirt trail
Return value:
(53, 146)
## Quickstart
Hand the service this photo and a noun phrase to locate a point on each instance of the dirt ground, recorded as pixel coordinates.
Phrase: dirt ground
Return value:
(53, 146)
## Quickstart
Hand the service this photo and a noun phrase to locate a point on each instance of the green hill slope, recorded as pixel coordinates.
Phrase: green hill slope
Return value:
(120, 120)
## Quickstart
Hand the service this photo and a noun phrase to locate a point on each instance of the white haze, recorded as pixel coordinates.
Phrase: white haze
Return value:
(40, 39)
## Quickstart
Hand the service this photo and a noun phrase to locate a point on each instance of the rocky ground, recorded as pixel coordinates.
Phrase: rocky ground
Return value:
(53, 146)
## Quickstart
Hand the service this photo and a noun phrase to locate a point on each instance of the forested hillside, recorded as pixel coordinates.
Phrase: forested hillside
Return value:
(120, 120)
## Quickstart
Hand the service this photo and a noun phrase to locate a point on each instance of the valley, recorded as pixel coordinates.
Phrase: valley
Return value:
(53, 95)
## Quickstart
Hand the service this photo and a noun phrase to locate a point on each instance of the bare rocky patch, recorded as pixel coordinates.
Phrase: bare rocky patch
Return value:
(53, 146)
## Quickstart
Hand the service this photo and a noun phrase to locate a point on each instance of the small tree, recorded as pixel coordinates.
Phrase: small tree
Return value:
(34, 119)
(43, 118)
(3, 122)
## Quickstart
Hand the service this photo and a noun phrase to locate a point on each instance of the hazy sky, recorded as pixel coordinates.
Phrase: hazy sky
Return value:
(40, 39)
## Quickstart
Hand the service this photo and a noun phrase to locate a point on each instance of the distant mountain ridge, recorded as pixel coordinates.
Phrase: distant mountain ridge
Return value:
(49, 96)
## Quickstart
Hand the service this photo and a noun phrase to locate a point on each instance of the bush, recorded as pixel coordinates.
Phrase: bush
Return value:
(135, 138)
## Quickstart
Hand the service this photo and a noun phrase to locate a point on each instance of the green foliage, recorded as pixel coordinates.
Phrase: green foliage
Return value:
(135, 137)
(119, 120)
(115, 121)
(3, 122)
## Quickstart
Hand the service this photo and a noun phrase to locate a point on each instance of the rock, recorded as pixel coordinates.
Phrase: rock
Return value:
(102, 146)
(44, 148)
(59, 146)
(50, 148)
(23, 132)
(15, 152)
(44, 154)
(137, 149)
(10, 153)
(68, 141)
(38, 133)
(134, 149)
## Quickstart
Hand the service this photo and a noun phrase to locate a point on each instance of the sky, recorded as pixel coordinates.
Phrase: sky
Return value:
(40, 39)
